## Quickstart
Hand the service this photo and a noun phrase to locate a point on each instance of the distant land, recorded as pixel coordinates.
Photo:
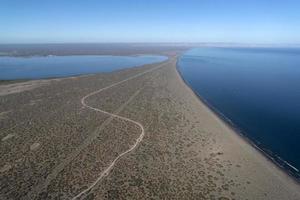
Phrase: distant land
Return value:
(61, 49)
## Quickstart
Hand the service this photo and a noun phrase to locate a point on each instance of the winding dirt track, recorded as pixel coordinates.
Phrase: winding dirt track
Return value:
(106, 171)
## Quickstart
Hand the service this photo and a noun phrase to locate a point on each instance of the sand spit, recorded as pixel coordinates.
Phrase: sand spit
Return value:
(186, 152)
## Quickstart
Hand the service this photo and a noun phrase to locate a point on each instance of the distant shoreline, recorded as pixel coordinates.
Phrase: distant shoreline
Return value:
(119, 49)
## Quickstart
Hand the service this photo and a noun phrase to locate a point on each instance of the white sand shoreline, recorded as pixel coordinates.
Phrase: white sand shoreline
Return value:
(257, 153)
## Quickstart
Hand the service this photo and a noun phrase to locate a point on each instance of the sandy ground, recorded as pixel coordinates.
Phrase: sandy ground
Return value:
(6, 89)
(52, 147)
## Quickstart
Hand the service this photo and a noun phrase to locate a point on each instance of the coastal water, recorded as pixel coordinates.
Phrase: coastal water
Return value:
(61, 66)
(257, 90)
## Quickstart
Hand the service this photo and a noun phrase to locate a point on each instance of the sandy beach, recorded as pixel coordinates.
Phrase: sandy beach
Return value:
(55, 147)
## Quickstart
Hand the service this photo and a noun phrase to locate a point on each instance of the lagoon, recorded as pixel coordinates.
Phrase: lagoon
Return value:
(37, 67)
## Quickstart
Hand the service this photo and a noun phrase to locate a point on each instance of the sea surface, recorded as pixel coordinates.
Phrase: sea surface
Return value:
(256, 90)
(37, 67)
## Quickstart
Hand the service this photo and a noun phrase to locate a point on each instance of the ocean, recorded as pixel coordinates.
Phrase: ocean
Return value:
(257, 91)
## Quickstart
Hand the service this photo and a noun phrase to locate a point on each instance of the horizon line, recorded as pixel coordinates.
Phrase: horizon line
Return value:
(221, 44)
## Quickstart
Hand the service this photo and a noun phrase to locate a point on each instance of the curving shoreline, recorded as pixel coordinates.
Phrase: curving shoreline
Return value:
(283, 165)
(279, 170)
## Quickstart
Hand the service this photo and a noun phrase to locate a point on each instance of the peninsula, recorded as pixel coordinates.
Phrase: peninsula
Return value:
(137, 133)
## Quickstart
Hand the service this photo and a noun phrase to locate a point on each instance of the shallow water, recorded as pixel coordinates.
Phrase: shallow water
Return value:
(61, 66)
(257, 89)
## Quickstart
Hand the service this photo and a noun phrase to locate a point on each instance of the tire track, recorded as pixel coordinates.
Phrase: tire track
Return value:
(106, 172)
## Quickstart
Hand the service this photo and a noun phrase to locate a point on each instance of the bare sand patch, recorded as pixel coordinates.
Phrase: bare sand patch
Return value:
(8, 136)
(23, 86)
(34, 146)
(2, 114)
(5, 168)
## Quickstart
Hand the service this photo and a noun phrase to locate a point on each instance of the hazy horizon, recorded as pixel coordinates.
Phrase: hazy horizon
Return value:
(185, 44)
(247, 22)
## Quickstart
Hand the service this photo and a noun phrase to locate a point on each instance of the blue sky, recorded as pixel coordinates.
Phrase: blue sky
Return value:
(239, 21)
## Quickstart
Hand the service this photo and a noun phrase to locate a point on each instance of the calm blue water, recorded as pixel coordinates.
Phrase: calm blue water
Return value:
(258, 89)
(61, 66)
